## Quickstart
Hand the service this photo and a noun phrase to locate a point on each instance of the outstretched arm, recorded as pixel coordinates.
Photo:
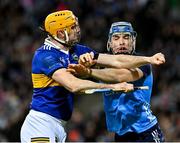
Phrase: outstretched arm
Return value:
(121, 61)
(116, 75)
(112, 75)
(74, 84)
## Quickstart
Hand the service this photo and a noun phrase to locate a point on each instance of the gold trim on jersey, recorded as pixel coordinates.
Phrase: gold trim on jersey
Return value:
(40, 140)
(41, 81)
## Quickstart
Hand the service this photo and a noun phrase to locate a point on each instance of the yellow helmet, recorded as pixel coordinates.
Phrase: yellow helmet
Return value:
(60, 20)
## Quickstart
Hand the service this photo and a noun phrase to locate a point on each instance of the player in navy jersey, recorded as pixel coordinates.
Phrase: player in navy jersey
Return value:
(54, 87)
(128, 115)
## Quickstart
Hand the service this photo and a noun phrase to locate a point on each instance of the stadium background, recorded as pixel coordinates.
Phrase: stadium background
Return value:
(157, 24)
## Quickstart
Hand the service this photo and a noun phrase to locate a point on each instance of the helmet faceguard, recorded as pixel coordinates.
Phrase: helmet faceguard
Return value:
(64, 21)
(118, 28)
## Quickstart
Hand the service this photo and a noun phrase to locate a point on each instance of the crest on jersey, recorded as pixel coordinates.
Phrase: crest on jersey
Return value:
(75, 57)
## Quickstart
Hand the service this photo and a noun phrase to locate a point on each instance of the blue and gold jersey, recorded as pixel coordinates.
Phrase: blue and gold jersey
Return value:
(49, 96)
(130, 112)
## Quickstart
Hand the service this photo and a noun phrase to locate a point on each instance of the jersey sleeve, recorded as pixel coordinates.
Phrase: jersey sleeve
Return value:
(49, 63)
(146, 69)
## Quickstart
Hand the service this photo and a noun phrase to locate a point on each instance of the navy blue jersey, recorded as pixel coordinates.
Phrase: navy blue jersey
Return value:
(130, 112)
(49, 96)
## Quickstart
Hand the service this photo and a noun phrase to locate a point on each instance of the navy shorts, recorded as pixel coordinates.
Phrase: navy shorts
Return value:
(154, 134)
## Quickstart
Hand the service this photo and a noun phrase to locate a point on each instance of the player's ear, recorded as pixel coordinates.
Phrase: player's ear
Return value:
(61, 34)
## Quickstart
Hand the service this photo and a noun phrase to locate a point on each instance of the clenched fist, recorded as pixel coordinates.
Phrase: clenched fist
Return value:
(157, 59)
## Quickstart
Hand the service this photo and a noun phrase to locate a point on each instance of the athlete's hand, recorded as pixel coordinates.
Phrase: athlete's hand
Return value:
(79, 70)
(87, 59)
(157, 59)
(124, 86)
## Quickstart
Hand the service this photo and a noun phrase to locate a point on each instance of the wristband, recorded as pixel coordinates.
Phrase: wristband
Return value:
(96, 55)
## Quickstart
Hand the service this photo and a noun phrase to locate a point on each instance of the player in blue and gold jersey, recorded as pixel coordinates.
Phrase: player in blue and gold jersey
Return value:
(53, 86)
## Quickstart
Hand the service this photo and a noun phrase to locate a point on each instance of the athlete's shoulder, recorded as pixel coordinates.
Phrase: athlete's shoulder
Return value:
(43, 52)
(45, 48)
(83, 48)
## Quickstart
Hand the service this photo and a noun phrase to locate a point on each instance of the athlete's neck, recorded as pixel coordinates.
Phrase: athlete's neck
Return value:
(62, 47)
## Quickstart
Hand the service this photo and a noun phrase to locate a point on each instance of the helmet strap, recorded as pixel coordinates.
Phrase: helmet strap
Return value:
(63, 42)
(66, 36)
(55, 37)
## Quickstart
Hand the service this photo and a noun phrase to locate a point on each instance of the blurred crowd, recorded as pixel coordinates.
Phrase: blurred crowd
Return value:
(157, 23)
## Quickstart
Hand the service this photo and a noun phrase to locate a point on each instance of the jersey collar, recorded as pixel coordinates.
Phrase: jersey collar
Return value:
(49, 43)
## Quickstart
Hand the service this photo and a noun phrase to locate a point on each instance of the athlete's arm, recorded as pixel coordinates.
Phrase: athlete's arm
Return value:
(112, 75)
(122, 61)
(129, 61)
(74, 84)
(116, 75)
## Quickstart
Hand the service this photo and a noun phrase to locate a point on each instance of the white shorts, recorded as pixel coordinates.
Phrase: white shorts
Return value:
(41, 127)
